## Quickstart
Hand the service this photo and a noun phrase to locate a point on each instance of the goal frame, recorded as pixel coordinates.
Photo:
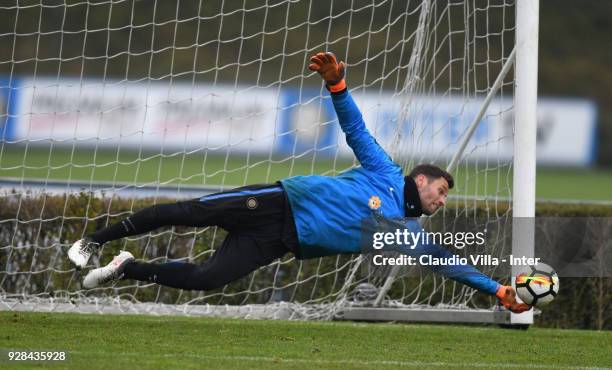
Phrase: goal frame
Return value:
(524, 59)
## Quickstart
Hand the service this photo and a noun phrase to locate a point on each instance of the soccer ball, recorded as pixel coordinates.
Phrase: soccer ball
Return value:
(538, 287)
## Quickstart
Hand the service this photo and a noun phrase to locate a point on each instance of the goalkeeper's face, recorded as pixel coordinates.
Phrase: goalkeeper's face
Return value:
(433, 193)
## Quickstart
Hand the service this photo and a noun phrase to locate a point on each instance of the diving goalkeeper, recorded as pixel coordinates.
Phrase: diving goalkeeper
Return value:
(309, 216)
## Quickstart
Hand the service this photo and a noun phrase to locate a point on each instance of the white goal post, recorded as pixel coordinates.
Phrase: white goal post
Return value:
(109, 106)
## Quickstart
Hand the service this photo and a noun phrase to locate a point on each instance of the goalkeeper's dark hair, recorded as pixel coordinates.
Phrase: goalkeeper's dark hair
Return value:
(432, 172)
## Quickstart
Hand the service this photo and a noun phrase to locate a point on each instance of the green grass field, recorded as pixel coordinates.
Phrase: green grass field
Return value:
(215, 168)
(139, 342)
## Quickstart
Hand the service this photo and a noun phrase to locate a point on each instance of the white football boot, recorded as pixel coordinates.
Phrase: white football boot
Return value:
(81, 250)
(112, 271)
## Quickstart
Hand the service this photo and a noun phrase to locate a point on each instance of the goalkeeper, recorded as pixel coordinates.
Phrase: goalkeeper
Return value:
(309, 216)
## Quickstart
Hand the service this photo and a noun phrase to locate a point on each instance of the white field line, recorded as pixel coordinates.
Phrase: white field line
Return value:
(366, 363)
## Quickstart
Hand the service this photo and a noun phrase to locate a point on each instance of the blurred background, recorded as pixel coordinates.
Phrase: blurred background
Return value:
(165, 46)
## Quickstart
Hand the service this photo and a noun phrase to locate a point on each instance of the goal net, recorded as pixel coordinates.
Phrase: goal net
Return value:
(110, 106)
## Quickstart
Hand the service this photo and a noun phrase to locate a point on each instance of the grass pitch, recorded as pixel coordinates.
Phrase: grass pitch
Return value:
(139, 342)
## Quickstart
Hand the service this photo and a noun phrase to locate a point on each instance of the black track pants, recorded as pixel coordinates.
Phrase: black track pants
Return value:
(260, 229)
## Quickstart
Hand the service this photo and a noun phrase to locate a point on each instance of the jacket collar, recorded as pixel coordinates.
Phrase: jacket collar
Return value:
(412, 205)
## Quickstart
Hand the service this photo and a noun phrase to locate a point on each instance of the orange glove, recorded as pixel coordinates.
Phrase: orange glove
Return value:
(330, 70)
(507, 297)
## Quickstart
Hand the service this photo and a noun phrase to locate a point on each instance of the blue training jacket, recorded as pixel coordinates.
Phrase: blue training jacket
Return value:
(329, 211)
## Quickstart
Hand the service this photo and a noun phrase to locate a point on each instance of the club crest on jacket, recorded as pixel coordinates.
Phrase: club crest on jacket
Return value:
(374, 202)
